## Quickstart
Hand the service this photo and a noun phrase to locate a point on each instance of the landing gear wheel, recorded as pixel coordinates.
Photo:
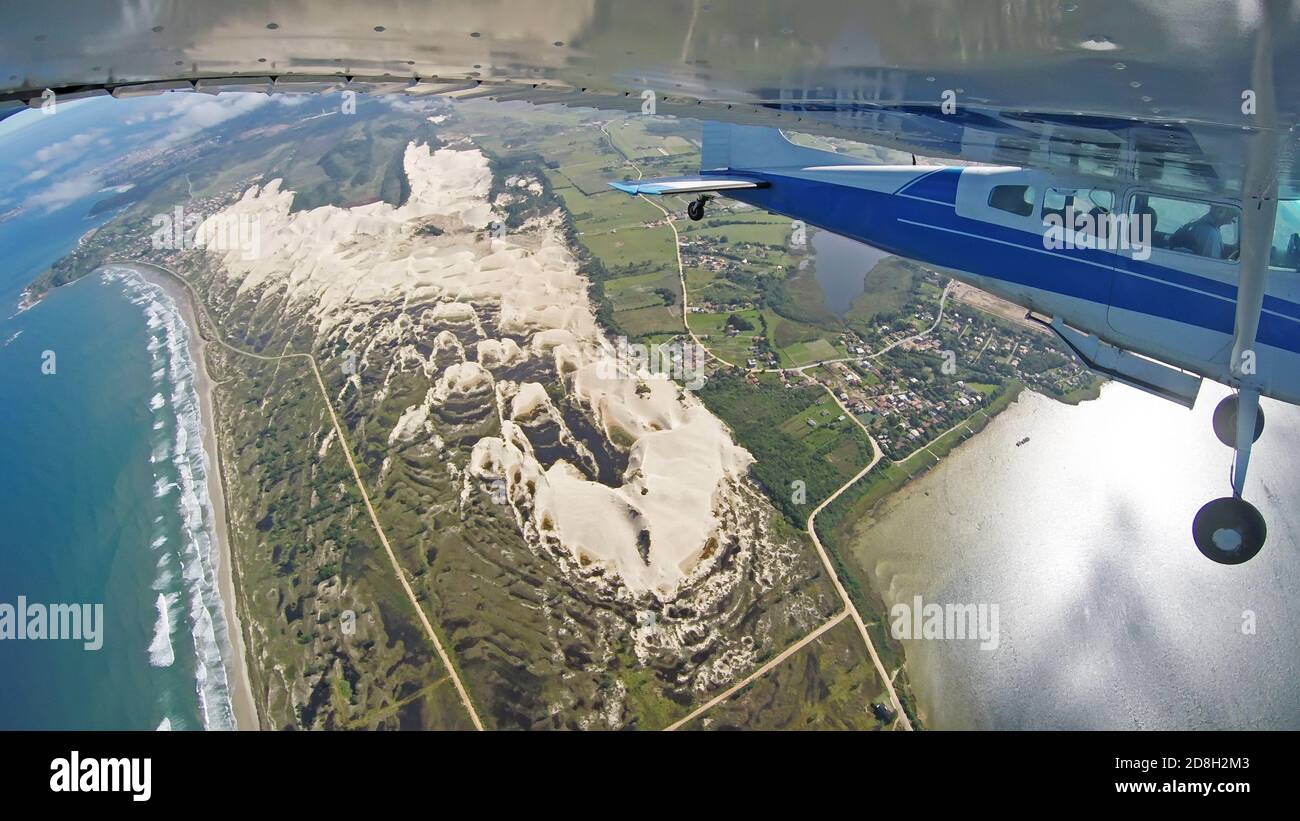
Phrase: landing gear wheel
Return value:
(1225, 422)
(1229, 530)
(696, 209)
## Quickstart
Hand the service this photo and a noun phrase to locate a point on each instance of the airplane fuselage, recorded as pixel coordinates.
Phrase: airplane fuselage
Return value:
(1171, 305)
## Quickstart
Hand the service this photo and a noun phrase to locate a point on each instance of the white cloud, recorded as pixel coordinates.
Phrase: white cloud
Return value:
(64, 192)
(193, 113)
(63, 152)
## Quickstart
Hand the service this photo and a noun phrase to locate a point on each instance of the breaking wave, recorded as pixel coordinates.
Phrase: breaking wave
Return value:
(161, 653)
(191, 599)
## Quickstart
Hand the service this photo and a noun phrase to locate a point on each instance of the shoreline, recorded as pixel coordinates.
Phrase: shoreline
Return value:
(858, 536)
(986, 539)
(241, 689)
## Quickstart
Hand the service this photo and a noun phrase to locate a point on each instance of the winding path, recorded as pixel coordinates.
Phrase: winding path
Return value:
(849, 608)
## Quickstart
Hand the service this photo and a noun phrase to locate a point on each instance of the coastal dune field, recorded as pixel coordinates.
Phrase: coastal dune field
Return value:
(333, 260)
(583, 533)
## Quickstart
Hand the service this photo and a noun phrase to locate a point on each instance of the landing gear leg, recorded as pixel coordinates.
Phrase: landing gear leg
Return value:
(696, 209)
(1230, 530)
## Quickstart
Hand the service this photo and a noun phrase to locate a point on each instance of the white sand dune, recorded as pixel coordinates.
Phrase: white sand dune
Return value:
(529, 400)
(499, 353)
(465, 378)
(413, 422)
(338, 264)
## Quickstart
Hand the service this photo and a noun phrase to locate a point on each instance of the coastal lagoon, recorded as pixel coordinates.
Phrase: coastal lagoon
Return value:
(842, 267)
(1109, 617)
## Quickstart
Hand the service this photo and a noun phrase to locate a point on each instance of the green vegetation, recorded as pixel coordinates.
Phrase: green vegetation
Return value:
(773, 423)
(813, 350)
(889, 287)
(535, 646)
(328, 160)
(301, 562)
(732, 336)
(857, 503)
(828, 685)
(634, 269)
(633, 139)
(631, 255)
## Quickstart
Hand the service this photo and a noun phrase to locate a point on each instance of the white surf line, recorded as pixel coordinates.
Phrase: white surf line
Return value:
(877, 454)
(356, 474)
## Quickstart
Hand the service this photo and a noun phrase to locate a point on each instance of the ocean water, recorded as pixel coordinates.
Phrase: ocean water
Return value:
(103, 497)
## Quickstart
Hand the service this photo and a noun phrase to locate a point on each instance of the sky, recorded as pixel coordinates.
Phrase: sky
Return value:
(52, 160)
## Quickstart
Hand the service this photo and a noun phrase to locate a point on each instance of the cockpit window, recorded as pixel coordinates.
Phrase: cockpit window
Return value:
(1205, 229)
(1014, 199)
(1094, 201)
(1285, 253)
(1079, 209)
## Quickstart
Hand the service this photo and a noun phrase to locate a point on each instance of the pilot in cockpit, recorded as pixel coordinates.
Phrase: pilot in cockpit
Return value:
(1204, 235)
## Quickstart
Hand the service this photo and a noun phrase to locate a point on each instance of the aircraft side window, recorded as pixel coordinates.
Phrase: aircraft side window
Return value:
(1285, 253)
(1204, 229)
(1084, 205)
(1014, 199)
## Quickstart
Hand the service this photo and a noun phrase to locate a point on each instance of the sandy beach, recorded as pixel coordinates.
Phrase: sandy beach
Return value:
(241, 689)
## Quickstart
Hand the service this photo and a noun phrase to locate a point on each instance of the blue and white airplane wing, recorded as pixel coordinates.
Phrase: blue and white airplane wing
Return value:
(686, 185)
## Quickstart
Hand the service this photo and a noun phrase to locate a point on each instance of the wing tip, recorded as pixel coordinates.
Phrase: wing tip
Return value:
(631, 188)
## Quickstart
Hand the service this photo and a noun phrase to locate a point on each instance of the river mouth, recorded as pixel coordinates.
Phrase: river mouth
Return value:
(842, 265)
(1108, 617)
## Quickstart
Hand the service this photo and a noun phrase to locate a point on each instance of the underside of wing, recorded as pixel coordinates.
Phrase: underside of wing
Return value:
(685, 185)
(1164, 93)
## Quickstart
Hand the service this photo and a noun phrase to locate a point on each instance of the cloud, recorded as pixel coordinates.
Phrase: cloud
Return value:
(194, 113)
(65, 192)
(413, 104)
(56, 155)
